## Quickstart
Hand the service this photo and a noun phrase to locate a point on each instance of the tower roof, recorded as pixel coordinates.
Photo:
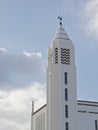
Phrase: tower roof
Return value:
(61, 34)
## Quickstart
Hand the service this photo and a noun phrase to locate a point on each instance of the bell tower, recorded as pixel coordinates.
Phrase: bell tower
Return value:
(61, 83)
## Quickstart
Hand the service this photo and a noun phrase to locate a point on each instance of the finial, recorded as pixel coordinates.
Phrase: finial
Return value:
(60, 18)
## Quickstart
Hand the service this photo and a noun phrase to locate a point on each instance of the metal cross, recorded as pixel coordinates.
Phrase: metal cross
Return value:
(60, 18)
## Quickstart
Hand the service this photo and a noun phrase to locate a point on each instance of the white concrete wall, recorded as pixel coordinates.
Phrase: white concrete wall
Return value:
(87, 113)
(39, 119)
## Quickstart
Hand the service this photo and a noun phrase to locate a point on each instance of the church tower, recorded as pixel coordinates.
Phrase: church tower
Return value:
(61, 83)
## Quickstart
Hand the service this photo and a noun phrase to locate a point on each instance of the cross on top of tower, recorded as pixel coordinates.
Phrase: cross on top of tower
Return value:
(60, 18)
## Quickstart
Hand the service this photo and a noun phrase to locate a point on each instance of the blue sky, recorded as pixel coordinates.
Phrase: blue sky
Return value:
(27, 28)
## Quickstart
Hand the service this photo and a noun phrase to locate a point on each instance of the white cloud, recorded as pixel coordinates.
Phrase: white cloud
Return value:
(90, 17)
(15, 106)
(37, 54)
(18, 88)
(21, 70)
(3, 50)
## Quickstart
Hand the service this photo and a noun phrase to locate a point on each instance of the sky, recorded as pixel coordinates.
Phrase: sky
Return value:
(27, 27)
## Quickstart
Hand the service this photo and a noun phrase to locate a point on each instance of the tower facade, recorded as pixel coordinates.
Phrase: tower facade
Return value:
(61, 83)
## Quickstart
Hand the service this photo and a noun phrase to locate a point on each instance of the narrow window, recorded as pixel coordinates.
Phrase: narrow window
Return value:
(96, 127)
(66, 94)
(66, 126)
(66, 111)
(66, 77)
(56, 55)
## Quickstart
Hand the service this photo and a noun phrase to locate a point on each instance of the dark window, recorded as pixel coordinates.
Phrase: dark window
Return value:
(66, 111)
(66, 94)
(66, 126)
(65, 56)
(96, 127)
(66, 77)
(56, 55)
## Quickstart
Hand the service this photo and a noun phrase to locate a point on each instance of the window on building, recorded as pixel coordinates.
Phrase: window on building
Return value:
(66, 77)
(66, 94)
(96, 126)
(66, 111)
(56, 55)
(65, 56)
(66, 126)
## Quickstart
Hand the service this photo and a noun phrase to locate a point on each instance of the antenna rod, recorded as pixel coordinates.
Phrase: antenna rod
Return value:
(32, 107)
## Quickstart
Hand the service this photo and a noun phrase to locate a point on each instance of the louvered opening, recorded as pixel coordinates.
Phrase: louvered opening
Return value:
(56, 55)
(65, 56)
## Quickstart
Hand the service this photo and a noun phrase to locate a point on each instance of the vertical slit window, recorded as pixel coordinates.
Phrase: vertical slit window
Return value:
(66, 77)
(66, 126)
(66, 94)
(96, 126)
(66, 111)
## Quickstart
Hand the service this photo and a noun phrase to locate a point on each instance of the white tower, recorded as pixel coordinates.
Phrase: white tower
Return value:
(61, 83)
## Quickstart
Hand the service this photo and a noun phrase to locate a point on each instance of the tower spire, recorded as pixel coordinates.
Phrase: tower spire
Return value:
(60, 18)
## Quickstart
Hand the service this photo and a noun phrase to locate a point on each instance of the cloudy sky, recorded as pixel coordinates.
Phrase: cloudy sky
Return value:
(26, 30)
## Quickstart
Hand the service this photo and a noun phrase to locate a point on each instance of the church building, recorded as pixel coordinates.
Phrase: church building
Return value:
(63, 111)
